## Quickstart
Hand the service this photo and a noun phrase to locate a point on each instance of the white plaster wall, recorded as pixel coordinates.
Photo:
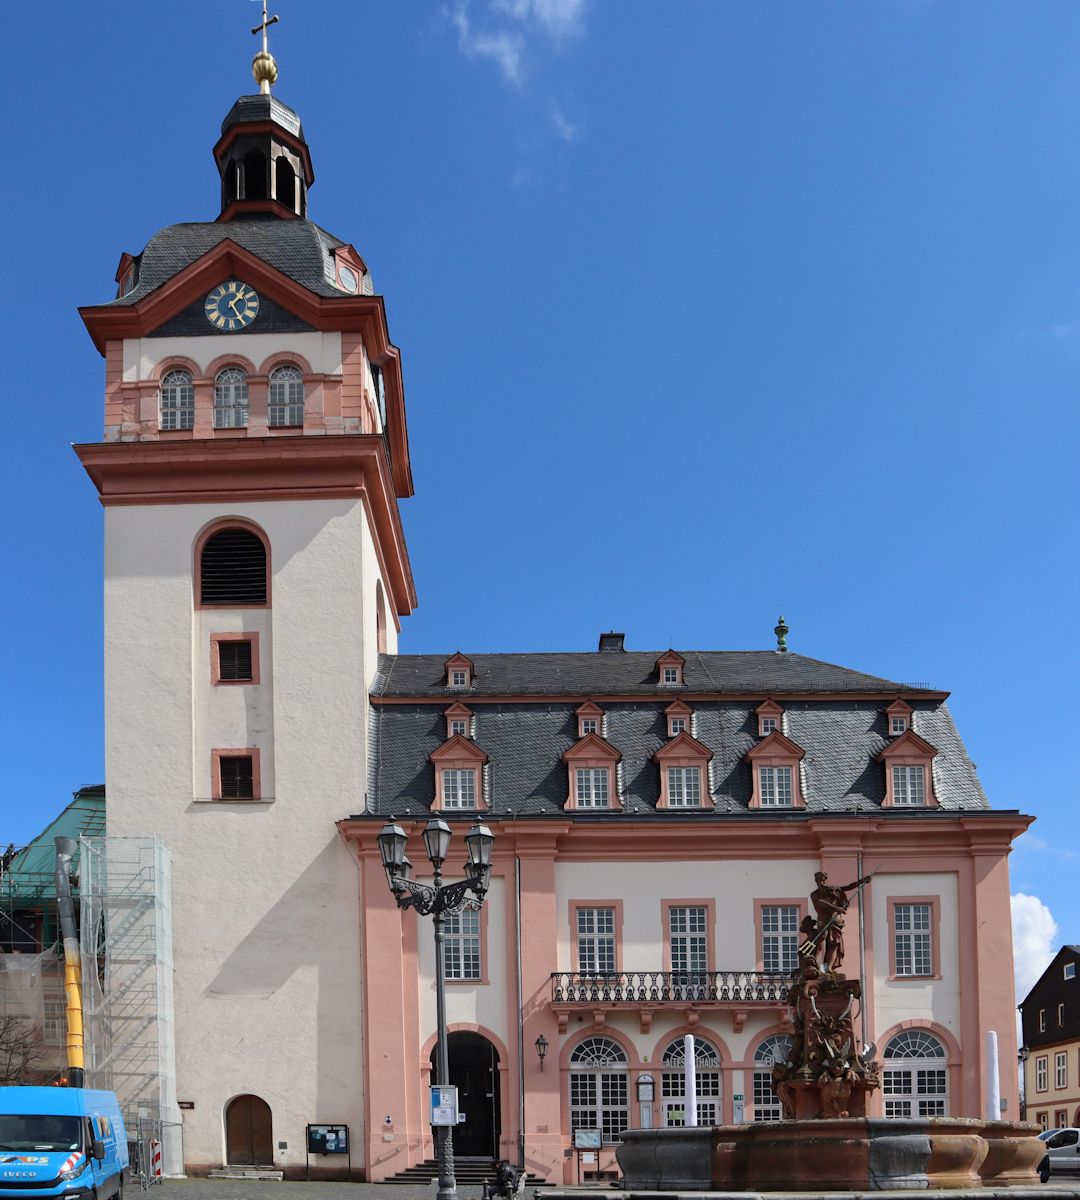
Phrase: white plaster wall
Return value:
(265, 897)
(321, 350)
(232, 716)
(642, 886)
(916, 999)
(484, 1004)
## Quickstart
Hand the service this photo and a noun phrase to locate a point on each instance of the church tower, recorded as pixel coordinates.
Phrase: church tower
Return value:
(254, 454)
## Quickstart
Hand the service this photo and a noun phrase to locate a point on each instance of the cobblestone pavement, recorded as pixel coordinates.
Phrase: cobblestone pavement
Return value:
(240, 1189)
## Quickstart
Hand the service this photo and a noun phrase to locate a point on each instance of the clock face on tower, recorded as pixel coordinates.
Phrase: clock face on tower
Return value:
(232, 305)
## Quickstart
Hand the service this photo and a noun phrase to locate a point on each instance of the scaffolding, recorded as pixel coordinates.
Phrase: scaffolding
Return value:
(126, 944)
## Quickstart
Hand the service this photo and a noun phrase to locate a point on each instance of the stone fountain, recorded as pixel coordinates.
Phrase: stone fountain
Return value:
(826, 1141)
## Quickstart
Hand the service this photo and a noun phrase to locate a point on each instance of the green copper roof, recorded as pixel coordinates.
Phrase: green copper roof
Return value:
(30, 875)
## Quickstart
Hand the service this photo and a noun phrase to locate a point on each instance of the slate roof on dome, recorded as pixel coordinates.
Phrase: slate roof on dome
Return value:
(614, 673)
(263, 108)
(299, 249)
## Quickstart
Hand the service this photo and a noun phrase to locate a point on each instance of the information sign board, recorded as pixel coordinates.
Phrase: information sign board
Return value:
(444, 1106)
(588, 1139)
(328, 1139)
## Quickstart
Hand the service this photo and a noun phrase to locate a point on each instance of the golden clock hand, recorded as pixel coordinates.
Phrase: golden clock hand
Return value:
(232, 304)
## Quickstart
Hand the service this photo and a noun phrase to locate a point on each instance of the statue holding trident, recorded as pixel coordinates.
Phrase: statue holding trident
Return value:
(831, 905)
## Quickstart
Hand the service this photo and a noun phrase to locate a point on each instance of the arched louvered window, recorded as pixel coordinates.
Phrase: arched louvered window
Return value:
(673, 1082)
(285, 183)
(774, 1049)
(177, 400)
(232, 568)
(230, 399)
(915, 1082)
(599, 1087)
(286, 396)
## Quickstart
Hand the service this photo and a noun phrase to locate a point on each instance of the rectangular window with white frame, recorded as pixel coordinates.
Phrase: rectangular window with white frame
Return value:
(684, 787)
(1070, 971)
(779, 937)
(55, 1022)
(588, 725)
(678, 725)
(1061, 1015)
(768, 725)
(596, 941)
(912, 939)
(775, 787)
(461, 945)
(1061, 1069)
(671, 676)
(1042, 1074)
(457, 728)
(909, 787)
(1042, 1020)
(897, 725)
(591, 787)
(459, 787)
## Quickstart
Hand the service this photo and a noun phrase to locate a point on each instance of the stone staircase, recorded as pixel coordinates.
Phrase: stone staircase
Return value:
(255, 1174)
(467, 1171)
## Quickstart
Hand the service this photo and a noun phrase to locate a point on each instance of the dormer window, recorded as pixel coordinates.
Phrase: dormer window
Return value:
(898, 715)
(589, 716)
(286, 400)
(774, 765)
(909, 779)
(669, 668)
(231, 399)
(459, 671)
(592, 770)
(678, 714)
(458, 720)
(684, 771)
(459, 775)
(768, 717)
(177, 400)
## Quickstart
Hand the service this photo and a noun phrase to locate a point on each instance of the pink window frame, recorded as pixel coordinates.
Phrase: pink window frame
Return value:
(673, 660)
(678, 710)
(216, 756)
(684, 751)
(575, 905)
(215, 663)
(796, 902)
(589, 711)
(458, 712)
(776, 751)
(484, 979)
(935, 936)
(709, 904)
(592, 753)
(768, 709)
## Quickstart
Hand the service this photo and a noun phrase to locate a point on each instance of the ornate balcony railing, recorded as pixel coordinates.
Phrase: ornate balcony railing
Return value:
(679, 987)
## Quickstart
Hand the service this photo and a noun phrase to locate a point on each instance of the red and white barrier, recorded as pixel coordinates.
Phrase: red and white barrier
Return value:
(155, 1159)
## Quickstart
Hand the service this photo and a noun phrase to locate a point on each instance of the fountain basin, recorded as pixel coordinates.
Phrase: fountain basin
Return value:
(848, 1153)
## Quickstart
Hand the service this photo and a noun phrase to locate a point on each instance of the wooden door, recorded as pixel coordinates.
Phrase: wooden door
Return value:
(249, 1140)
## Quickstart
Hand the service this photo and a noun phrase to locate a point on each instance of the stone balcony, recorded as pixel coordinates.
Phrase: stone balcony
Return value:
(688, 992)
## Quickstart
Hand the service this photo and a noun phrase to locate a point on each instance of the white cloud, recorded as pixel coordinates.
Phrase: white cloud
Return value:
(503, 47)
(1034, 935)
(501, 30)
(559, 18)
(564, 127)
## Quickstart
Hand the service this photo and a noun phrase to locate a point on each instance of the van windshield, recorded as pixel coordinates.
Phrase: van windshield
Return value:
(38, 1132)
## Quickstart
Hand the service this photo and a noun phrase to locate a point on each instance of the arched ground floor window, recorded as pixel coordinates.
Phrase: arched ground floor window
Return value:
(599, 1093)
(673, 1083)
(774, 1049)
(915, 1081)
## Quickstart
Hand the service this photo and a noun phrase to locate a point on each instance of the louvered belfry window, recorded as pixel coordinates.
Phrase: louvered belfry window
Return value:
(233, 569)
(237, 778)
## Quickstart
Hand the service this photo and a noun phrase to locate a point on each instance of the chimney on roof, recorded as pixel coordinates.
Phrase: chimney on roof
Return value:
(611, 641)
(781, 632)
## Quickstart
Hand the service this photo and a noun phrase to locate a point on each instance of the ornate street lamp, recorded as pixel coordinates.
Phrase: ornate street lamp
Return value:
(438, 900)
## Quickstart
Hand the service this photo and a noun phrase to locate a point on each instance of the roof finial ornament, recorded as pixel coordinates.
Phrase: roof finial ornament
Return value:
(263, 66)
(781, 632)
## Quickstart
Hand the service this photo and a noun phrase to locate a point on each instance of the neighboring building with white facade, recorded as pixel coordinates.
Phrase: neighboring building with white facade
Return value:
(659, 817)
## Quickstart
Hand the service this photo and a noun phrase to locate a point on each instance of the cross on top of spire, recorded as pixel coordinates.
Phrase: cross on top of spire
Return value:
(263, 66)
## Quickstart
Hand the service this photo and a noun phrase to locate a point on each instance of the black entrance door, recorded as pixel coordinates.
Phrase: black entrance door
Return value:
(474, 1071)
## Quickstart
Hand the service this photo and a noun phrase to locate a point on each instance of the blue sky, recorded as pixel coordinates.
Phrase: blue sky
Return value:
(708, 312)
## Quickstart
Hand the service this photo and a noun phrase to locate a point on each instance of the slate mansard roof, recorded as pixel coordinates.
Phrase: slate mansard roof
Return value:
(837, 716)
(298, 248)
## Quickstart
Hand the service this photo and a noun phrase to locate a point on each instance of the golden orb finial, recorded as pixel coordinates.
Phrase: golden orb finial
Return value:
(264, 68)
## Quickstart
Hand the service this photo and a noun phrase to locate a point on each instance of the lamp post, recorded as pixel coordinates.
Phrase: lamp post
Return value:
(438, 900)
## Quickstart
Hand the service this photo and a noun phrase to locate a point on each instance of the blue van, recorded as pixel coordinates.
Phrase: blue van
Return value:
(60, 1141)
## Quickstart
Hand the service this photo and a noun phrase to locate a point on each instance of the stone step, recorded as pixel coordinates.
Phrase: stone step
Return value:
(256, 1174)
